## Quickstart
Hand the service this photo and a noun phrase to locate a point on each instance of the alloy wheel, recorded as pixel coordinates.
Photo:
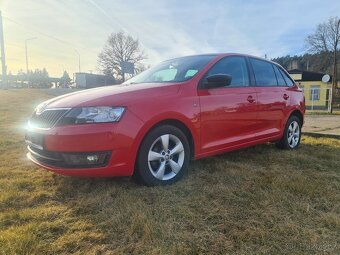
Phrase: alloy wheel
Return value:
(166, 157)
(293, 134)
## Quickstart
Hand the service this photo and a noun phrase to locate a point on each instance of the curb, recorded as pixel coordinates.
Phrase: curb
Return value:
(321, 135)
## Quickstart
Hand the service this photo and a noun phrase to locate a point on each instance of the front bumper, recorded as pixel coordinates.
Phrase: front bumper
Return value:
(116, 140)
(113, 168)
(70, 160)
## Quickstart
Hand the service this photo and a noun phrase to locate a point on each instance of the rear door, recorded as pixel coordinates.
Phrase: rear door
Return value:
(273, 98)
(228, 114)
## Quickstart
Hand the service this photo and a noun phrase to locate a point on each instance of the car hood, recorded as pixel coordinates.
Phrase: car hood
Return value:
(115, 95)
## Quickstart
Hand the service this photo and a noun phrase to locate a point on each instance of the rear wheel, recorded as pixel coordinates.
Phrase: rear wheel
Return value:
(292, 134)
(163, 156)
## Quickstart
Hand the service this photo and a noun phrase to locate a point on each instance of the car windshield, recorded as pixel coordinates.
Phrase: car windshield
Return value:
(174, 70)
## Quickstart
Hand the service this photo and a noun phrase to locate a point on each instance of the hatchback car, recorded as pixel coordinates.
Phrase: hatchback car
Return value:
(152, 125)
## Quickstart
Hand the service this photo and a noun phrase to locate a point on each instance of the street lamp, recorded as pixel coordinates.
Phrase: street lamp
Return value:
(78, 60)
(28, 39)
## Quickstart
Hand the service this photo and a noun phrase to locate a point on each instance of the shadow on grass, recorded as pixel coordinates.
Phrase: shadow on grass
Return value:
(257, 199)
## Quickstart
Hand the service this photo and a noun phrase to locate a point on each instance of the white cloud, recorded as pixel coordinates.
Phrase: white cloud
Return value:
(166, 29)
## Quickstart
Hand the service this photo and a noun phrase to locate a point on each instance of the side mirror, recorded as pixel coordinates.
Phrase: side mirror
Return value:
(217, 81)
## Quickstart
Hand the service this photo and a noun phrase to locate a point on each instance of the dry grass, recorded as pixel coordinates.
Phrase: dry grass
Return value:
(255, 201)
(322, 112)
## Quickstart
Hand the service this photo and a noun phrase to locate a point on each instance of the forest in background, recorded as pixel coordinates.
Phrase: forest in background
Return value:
(318, 62)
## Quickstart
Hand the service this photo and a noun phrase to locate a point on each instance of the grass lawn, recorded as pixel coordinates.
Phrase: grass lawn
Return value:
(259, 200)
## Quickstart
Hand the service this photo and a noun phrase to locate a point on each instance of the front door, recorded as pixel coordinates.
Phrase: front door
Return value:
(228, 114)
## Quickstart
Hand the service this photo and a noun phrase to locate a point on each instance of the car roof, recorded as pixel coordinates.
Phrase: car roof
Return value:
(221, 55)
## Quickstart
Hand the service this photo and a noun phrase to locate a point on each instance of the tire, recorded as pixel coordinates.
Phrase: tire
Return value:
(163, 156)
(291, 135)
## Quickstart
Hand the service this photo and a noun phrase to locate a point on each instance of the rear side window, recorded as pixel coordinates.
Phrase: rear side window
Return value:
(280, 79)
(234, 66)
(264, 73)
(289, 82)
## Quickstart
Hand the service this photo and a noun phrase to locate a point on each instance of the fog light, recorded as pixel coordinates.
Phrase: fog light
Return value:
(86, 159)
(92, 159)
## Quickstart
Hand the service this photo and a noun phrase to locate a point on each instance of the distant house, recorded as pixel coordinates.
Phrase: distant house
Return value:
(89, 80)
(315, 90)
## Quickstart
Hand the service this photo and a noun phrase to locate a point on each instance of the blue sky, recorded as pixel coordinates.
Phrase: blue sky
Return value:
(165, 29)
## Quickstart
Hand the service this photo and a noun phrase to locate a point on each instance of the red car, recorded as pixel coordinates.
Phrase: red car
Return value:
(153, 124)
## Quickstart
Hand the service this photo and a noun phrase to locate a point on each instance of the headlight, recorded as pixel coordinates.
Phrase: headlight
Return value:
(100, 114)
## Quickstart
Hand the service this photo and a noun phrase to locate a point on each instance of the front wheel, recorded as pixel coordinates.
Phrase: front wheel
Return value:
(163, 156)
(292, 134)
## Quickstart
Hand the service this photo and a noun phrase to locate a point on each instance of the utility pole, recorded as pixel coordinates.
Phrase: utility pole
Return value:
(3, 58)
(28, 39)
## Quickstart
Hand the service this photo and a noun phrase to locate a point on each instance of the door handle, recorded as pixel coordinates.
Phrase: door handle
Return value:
(250, 99)
(285, 96)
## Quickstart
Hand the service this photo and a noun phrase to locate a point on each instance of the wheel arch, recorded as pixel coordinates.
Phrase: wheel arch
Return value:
(294, 112)
(298, 114)
(179, 123)
(282, 143)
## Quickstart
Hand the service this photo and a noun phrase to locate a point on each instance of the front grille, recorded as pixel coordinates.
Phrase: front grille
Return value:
(47, 118)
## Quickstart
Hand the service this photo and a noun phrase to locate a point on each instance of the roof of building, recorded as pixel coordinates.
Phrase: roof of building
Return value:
(307, 75)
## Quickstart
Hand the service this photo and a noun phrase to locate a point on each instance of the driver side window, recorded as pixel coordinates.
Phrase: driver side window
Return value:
(234, 66)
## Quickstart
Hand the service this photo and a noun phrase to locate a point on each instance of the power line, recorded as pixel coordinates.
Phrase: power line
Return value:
(48, 35)
(110, 17)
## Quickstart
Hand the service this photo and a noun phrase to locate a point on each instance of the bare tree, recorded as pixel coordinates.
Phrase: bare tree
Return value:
(326, 38)
(120, 47)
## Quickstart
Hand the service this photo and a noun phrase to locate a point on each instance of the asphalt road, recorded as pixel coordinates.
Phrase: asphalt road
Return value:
(322, 124)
